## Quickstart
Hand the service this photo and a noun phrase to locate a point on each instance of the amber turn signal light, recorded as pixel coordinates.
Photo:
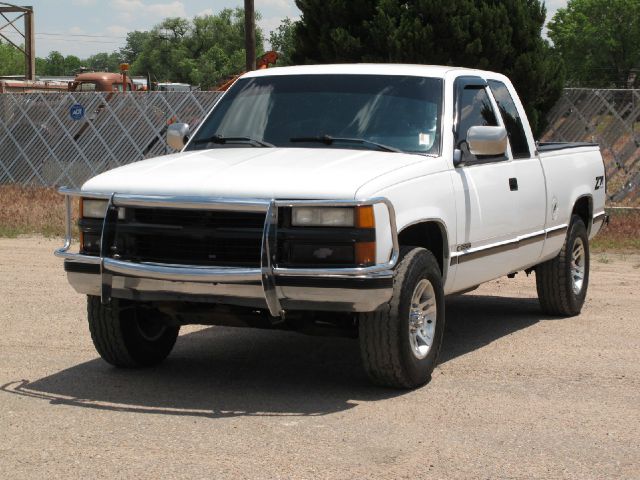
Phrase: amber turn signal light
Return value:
(365, 253)
(365, 217)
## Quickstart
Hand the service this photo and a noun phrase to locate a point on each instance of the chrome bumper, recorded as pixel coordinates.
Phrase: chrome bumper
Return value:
(266, 286)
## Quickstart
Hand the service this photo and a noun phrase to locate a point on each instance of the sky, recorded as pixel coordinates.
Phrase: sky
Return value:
(85, 27)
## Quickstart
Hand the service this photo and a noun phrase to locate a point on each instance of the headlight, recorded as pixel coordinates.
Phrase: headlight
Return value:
(323, 217)
(92, 208)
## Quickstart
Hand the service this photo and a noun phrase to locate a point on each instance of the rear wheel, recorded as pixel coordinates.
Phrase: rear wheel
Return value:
(126, 335)
(562, 281)
(400, 343)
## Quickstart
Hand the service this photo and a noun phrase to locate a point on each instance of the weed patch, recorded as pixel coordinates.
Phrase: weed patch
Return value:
(31, 210)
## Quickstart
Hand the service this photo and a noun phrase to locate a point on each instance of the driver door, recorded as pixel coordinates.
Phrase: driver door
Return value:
(484, 192)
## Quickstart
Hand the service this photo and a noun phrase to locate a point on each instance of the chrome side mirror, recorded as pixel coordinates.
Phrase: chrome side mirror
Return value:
(178, 135)
(487, 140)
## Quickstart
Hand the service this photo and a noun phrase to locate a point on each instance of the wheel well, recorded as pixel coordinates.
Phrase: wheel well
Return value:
(584, 209)
(429, 235)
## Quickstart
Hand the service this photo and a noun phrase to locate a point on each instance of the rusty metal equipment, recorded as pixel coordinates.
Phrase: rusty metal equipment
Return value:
(28, 34)
(269, 58)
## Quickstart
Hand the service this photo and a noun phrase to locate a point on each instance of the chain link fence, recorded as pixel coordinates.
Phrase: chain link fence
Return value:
(610, 118)
(53, 139)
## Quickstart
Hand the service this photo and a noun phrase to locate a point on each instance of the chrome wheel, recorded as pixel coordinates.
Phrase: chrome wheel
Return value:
(422, 318)
(578, 265)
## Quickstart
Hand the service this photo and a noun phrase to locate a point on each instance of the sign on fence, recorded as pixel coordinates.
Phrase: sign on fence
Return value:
(76, 111)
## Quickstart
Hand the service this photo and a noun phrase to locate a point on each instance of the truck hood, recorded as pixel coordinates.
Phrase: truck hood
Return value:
(291, 173)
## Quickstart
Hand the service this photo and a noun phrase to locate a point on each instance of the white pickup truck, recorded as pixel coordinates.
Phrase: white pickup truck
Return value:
(341, 198)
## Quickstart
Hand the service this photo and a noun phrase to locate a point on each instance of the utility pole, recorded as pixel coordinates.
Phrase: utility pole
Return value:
(30, 44)
(28, 36)
(250, 34)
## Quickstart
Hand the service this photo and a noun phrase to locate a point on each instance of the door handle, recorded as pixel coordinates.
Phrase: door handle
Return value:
(513, 184)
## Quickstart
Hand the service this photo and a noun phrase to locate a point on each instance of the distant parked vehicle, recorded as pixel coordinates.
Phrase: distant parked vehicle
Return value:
(101, 82)
(173, 87)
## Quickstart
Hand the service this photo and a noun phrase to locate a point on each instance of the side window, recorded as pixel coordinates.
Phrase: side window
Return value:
(87, 87)
(474, 109)
(511, 118)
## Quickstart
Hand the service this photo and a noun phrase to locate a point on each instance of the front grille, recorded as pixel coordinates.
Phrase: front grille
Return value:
(189, 237)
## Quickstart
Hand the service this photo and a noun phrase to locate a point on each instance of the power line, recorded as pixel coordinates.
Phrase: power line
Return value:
(114, 42)
(79, 35)
(87, 41)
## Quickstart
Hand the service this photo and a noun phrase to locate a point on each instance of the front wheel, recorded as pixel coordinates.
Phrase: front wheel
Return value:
(562, 281)
(126, 335)
(400, 343)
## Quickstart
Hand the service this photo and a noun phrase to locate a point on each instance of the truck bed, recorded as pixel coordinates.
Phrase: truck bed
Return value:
(552, 146)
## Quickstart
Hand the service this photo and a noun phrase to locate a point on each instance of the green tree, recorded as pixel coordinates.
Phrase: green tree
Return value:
(599, 41)
(136, 41)
(55, 64)
(41, 66)
(201, 52)
(503, 36)
(282, 40)
(71, 64)
(104, 62)
(335, 31)
(11, 60)
(164, 51)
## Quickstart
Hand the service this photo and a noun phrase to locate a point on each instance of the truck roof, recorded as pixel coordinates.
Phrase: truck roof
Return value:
(99, 76)
(360, 68)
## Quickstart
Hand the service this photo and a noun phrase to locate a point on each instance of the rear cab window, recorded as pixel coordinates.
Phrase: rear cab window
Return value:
(511, 118)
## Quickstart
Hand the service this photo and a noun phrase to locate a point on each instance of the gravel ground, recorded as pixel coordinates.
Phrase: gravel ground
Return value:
(516, 395)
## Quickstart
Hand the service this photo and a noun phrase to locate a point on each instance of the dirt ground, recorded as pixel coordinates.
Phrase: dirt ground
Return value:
(516, 395)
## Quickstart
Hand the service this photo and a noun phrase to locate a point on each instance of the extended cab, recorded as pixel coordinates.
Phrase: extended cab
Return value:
(344, 197)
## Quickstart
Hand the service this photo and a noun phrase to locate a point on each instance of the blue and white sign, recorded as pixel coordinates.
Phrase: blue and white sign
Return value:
(76, 111)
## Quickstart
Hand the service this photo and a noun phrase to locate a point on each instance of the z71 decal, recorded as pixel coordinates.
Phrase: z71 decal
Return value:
(599, 182)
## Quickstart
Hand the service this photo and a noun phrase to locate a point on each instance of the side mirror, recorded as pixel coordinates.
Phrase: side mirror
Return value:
(178, 135)
(487, 140)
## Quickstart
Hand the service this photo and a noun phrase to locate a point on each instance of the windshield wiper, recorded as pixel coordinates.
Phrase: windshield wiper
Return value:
(328, 140)
(221, 140)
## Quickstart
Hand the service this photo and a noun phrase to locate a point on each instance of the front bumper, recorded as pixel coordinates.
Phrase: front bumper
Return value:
(265, 287)
(350, 294)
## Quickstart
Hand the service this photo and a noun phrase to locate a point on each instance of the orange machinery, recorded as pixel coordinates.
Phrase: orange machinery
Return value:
(269, 58)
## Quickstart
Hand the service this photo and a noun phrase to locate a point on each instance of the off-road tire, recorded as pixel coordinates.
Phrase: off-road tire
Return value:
(385, 347)
(554, 280)
(118, 333)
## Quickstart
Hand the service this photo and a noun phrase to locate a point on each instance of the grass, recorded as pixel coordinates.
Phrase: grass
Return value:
(31, 211)
(40, 211)
(621, 235)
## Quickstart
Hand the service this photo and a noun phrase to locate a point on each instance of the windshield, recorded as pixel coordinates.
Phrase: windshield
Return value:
(401, 112)
(86, 87)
